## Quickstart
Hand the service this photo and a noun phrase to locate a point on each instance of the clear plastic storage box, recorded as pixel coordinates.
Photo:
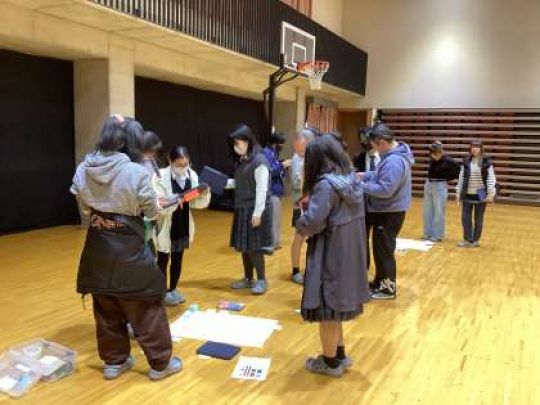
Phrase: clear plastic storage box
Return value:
(17, 376)
(56, 361)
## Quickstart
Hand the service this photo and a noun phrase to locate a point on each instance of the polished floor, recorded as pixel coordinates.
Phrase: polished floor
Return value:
(465, 328)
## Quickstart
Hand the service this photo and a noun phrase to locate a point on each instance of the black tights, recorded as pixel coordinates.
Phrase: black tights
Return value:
(176, 266)
(251, 260)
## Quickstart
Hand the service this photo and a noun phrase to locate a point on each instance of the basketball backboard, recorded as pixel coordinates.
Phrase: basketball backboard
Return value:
(296, 45)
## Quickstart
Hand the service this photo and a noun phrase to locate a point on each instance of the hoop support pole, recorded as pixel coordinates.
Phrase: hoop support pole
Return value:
(276, 79)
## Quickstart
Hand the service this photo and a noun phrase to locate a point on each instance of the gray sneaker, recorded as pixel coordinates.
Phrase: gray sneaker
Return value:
(260, 287)
(179, 296)
(242, 284)
(464, 244)
(298, 278)
(318, 366)
(111, 372)
(175, 366)
(475, 244)
(346, 362)
(171, 299)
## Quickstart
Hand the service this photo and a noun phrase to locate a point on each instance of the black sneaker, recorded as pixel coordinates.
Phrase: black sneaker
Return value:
(373, 286)
(383, 294)
(386, 290)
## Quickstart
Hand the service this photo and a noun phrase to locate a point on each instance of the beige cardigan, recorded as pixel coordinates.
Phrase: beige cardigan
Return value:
(162, 234)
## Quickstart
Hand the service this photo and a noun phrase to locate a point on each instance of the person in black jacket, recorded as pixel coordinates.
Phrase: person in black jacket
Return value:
(117, 265)
(441, 170)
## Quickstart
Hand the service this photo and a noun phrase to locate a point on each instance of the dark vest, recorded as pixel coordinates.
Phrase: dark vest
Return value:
(485, 164)
(180, 217)
(116, 261)
(244, 178)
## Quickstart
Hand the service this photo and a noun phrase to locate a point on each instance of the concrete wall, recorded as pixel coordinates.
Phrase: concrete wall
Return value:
(105, 63)
(108, 49)
(328, 13)
(448, 53)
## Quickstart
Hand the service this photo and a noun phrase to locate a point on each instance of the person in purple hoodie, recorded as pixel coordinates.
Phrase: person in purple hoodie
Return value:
(277, 188)
(389, 191)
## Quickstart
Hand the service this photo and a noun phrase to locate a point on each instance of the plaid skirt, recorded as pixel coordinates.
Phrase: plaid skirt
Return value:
(245, 238)
(325, 313)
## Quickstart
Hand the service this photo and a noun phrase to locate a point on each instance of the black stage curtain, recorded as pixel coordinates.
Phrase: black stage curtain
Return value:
(198, 119)
(36, 142)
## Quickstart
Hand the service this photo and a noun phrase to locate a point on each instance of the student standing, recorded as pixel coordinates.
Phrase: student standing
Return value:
(389, 190)
(277, 187)
(251, 232)
(366, 161)
(368, 158)
(175, 225)
(117, 266)
(151, 147)
(303, 137)
(336, 285)
(441, 170)
(476, 187)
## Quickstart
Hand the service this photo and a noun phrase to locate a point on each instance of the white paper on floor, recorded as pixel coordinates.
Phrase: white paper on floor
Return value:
(251, 368)
(223, 327)
(410, 244)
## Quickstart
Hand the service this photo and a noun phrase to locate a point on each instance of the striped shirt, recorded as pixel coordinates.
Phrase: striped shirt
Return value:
(475, 180)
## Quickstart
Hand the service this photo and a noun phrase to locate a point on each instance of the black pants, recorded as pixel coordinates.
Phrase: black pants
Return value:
(149, 322)
(472, 232)
(251, 260)
(176, 266)
(386, 227)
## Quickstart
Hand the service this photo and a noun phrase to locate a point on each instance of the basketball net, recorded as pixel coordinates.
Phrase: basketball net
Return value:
(315, 71)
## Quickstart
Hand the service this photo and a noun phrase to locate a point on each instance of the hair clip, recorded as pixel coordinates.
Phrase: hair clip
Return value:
(118, 118)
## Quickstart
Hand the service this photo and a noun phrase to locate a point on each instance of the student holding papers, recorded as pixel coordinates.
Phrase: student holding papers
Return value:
(303, 137)
(175, 225)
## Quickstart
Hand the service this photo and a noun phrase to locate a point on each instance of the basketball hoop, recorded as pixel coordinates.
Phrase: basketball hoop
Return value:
(315, 71)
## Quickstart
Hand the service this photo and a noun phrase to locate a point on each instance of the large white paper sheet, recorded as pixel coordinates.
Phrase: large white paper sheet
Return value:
(223, 327)
(410, 244)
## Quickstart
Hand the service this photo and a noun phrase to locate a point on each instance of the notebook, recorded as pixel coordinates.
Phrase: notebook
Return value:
(218, 350)
(215, 180)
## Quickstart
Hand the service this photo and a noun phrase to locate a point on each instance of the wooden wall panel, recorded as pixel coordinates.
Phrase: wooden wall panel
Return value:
(510, 137)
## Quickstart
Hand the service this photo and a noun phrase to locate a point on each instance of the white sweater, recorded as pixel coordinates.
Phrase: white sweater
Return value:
(164, 219)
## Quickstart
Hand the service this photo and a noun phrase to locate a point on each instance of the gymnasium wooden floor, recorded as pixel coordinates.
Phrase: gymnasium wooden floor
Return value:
(464, 329)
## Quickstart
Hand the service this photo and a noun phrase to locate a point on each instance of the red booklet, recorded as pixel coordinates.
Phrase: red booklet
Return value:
(186, 197)
(191, 194)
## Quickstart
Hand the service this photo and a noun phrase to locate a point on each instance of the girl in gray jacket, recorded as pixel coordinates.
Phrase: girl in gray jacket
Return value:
(336, 284)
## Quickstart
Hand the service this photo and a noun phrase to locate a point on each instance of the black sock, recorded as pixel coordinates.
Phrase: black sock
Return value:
(340, 352)
(331, 362)
(295, 270)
